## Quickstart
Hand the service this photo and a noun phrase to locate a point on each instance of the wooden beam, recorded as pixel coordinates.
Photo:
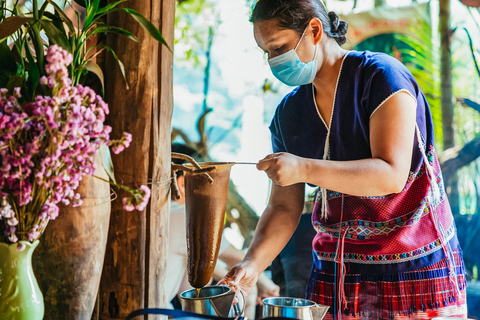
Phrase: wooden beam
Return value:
(455, 158)
(137, 241)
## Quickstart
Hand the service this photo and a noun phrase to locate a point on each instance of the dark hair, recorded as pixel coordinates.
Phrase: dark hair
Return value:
(296, 14)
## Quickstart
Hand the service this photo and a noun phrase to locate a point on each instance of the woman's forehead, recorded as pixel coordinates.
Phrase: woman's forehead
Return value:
(269, 31)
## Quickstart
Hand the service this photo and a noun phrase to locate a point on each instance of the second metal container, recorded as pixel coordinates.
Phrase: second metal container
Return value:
(295, 308)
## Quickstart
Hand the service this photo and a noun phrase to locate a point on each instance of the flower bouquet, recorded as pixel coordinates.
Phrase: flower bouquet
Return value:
(47, 146)
(51, 126)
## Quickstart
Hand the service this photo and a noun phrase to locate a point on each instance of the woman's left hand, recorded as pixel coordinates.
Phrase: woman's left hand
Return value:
(284, 169)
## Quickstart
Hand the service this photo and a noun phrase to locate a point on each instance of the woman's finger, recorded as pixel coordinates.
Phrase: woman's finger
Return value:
(236, 277)
(264, 164)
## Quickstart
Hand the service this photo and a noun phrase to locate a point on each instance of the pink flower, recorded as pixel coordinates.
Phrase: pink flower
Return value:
(21, 246)
(127, 204)
(118, 148)
(13, 238)
(12, 221)
(127, 137)
(33, 234)
(48, 145)
(16, 92)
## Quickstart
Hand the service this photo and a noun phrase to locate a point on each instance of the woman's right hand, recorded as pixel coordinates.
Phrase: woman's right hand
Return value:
(242, 276)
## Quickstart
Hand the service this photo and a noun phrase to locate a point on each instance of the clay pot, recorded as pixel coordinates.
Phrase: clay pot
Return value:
(69, 260)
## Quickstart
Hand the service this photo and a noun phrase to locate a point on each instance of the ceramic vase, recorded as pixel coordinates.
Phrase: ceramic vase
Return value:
(20, 295)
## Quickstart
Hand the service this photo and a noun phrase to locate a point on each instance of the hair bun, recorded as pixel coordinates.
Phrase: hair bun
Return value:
(337, 25)
(333, 21)
(342, 27)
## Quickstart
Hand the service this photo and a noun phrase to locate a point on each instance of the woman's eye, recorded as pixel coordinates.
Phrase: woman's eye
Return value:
(279, 49)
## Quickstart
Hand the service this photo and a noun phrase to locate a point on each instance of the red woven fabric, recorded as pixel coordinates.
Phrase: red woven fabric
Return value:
(424, 291)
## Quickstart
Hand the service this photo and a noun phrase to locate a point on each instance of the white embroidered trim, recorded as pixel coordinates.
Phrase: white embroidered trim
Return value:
(316, 108)
(324, 213)
(391, 95)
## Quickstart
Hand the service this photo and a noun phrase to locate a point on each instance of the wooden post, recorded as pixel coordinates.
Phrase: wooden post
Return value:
(136, 254)
(446, 74)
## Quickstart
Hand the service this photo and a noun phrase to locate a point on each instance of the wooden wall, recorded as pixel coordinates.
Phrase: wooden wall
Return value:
(137, 241)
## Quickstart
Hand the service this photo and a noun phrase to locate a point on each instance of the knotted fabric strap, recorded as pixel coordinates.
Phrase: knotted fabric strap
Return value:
(175, 313)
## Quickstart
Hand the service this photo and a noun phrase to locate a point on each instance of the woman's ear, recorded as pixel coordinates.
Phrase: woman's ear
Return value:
(317, 31)
(181, 185)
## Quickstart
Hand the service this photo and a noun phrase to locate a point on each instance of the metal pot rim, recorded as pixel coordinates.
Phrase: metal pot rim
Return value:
(207, 298)
(313, 304)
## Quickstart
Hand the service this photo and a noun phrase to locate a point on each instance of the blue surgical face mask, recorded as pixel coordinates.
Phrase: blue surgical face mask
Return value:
(288, 68)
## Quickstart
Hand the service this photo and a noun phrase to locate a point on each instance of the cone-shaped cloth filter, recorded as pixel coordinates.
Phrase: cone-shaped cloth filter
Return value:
(205, 204)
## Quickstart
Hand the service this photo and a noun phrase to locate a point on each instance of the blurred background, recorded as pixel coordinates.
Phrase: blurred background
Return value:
(225, 96)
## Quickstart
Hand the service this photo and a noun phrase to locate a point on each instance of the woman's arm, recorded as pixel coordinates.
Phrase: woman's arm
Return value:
(392, 129)
(274, 229)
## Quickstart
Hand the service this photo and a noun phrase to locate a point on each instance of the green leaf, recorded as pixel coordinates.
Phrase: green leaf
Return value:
(8, 66)
(10, 25)
(107, 161)
(2, 10)
(7, 61)
(147, 25)
(42, 9)
(55, 35)
(62, 15)
(109, 7)
(33, 73)
(56, 20)
(117, 30)
(92, 11)
(120, 64)
(16, 81)
(95, 68)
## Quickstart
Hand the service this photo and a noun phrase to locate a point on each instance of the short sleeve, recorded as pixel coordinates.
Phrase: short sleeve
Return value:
(277, 141)
(385, 76)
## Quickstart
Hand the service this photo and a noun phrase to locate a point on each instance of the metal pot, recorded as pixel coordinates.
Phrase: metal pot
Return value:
(211, 300)
(295, 308)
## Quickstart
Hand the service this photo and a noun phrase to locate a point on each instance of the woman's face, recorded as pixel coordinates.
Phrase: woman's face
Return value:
(275, 41)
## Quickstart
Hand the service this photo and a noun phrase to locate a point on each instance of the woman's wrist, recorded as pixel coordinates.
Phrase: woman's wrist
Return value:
(252, 263)
(305, 169)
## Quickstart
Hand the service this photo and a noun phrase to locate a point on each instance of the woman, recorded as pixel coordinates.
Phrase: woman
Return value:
(358, 127)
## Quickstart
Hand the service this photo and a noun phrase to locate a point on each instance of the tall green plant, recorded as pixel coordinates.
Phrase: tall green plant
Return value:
(420, 57)
(24, 32)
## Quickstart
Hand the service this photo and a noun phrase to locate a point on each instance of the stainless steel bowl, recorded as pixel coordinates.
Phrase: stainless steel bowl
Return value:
(296, 308)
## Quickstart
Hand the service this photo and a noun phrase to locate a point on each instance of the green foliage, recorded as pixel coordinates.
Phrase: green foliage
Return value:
(467, 120)
(194, 23)
(26, 29)
(421, 58)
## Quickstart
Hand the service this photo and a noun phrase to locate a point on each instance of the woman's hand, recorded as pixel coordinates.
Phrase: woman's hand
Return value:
(242, 277)
(284, 169)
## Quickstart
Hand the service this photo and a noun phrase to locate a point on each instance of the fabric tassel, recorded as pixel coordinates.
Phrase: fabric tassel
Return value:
(324, 199)
(438, 226)
(398, 292)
